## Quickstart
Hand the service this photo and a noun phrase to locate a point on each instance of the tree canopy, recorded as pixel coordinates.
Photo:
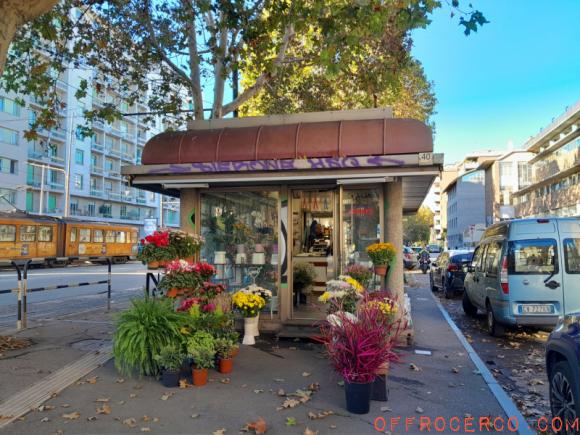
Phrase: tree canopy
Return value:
(178, 55)
(417, 227)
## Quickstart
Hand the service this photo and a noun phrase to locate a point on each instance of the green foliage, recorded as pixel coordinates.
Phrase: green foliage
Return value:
(142, 332)
(416, 228)
(151, 252)
(224, 347)
(180, 280)
(201, 347)
(303, 275)
(170, 357)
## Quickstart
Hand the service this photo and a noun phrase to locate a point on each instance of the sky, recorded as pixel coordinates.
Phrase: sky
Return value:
(505, 82)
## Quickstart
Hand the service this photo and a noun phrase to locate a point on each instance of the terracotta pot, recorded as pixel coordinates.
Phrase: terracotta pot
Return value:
(381, 270)
(152, 264)
(226, 365)
(199, 377)
(383, 369)
(235, 351)
(173, 293)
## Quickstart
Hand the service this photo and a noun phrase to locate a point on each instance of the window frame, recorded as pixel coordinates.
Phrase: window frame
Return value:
(83, 234)
(511, 257)
(102, 236)
(39, 233)
(14, 233)
(564, 248)
(26, 232)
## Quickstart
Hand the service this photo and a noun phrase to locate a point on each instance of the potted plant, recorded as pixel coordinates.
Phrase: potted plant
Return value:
(357, 346)
(342, 294)
(170, 359)
(185, 245)
(141, 332)
(156, 249)
(381, 254)
(180, 279)
(249, 304)
(224, 348)
(303, 275)
(361, 273)
(201, 348)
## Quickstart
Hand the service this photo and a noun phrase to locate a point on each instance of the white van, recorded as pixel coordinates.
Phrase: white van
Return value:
(525, 272)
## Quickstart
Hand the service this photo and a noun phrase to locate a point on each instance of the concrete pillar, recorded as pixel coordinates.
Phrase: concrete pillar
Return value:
(393, 194)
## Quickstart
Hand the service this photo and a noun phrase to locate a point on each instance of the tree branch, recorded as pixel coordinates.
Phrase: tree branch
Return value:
(265, 77)
(219, 68)
(194, 61)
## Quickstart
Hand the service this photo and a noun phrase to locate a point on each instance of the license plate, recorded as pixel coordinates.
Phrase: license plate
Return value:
(537, 309)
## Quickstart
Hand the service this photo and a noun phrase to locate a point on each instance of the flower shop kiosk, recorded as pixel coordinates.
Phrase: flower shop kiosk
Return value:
(297, 193)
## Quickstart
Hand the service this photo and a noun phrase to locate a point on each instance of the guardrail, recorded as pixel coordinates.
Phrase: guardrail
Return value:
(22, 289)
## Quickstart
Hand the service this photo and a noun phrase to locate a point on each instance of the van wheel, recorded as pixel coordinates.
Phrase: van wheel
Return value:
(449, 293)
(493, 328)
(468, 307)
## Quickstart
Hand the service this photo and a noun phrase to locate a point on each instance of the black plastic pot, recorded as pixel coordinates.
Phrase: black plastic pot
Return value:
(358, 397)
(170, 379)
(185, 371)
(380, 391)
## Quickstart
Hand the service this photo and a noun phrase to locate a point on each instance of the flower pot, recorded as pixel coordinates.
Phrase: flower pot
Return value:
(380, 391)
(162, 263)
(152, 264)
(189, 259)
(199, 377)
(381, 269)
(358, 397)
(240, 248)
(173, 293)
(220, 257)
(226, 365)
(250, 330)
(258, 258)
(185, 370)
(170, 379)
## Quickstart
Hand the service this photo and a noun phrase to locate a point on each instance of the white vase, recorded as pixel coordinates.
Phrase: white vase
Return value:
(258, 258)
(250, 330)
(241, 258)
(274, 260)
(257, 331)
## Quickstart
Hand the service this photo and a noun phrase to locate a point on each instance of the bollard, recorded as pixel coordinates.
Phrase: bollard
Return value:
(19, 304)
(24, 290)
(109, 284)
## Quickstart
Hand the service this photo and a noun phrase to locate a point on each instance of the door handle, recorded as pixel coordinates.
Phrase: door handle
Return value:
(553, 285)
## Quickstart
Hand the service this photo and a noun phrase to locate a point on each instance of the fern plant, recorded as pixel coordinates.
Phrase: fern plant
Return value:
(142, 331)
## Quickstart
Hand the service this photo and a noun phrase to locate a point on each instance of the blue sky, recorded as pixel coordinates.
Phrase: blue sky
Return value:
(506, 81)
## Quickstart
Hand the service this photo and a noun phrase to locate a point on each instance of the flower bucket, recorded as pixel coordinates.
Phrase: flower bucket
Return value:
(199, 377)
(152, 264)
(358, 397)
(381, 270)
(170, 379)
(226, 365)
(173, 293)
(380, 391)
(250, 330)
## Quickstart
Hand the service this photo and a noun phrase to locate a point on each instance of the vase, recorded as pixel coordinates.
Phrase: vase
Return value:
(258, 258)
(241, 258)
(199, 377)
(381, 269)
(170, 378)
(358, 397)
(274, 259)
(152, 264)
(250, 330)
(220, 257)
(259, 248)
(257, 331)
(380, 391)
(226, 365)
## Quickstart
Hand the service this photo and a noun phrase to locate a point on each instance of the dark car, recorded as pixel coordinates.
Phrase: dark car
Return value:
(563, 369)
(447, 272)
(409, 258)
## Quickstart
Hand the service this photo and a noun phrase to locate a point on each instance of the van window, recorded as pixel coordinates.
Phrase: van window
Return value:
(572, 255)
(478, 257)
(492, 258)
(536, 256)
(27, 233)
(7, 233)
(84, 235)
(98, 236)
(45, 234)
(462, 258)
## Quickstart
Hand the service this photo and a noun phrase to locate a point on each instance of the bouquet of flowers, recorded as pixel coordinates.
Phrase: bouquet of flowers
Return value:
(205, 270)
(382, 254)
(179, 279)
(361, 273)
(260, 291)
(185, 244)
(247, 303)
(342, 294)
(156, 247)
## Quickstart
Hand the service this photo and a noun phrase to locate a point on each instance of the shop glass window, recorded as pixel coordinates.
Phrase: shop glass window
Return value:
(27, 233)
(84, 235)
(45, 234)
(7, 233)
(537, 257)
(120, 237)
(98, 236)
(572, 255)
(360, 224)
(241, 234)
(73, 235)
(110, 237)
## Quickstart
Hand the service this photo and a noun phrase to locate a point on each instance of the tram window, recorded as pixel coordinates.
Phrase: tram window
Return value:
(27, 233)
(120, 237)
(98, 236)
(45, 234)
(84, 235)
(7, 233)
(73, 235)
(133, 237)
(110, 237)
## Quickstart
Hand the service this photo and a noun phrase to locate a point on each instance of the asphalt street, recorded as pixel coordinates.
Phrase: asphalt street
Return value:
(127, 280)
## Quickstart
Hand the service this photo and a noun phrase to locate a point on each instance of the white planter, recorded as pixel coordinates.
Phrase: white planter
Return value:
(241, 258)
(274, 259)
(250, 330)
(258, 258)
(220, 257)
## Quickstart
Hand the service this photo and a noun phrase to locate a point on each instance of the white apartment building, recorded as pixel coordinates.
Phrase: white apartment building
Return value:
(33, 173)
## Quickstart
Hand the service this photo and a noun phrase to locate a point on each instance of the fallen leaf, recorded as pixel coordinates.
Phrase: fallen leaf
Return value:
(306, 374)
(105, 409)
(454, 369)
(145, 429)
(258, 391)
(290, 421)
(167, 395)
(309, 431)
(42, 408)
(332, 426)
(103, 400)
(121, 402)
(419, 410)
(340, 383)
(65, 405)
(138, 387)
(91, 418)
(414, 367)
(317, 416)
(119, 380)
(386, 409)
(290, 403)
(219, 432)
(146, 418)
(281, 392)
(45, 419)
(184, 384)
(131, 422)
(132, 396)
(258, 426)
(155, 419)
(194, 415)
(92, 380)
(72, 416)
(279, 380)
(225, 381)
(315, 386)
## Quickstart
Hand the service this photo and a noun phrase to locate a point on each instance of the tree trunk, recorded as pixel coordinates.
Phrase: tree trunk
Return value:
(13, 14)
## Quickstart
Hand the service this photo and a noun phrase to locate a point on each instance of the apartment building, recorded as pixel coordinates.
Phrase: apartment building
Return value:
(33, 174)
(555, 186)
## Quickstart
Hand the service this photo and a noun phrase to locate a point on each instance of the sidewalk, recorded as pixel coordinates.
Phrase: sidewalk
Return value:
(446, 384)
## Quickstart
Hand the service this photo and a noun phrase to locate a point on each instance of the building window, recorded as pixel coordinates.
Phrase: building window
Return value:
(108, 165)
(8, 166)
(79, 157)
(29, 201)
(524, 174)
(51, 203)
(91, 209)
(9, 106)
(8, 136)
(123, 211)
(78, 181)
(506, 172)
(8, 195)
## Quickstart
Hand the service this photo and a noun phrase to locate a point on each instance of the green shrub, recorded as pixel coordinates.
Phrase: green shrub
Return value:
(170, 358)
(201, 347)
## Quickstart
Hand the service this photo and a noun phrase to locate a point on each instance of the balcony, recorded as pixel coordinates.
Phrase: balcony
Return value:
(141, 200)
(141, 139)
(127, 157)
(98, 125)
(113, 195)
(128, 198)
(97, 193)
(33, 182)
(36, 155)
(113, 151)
(112, 173)
(97, 170)
(97, 147)
(55, 186)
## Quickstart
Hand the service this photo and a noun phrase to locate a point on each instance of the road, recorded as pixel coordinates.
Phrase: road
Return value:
(128, 280)
(516, 360)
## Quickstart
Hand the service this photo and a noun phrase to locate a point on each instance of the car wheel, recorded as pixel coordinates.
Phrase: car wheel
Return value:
(468, 307)
(432, 283)
(563, 395)
(493, 328)
(448, 292)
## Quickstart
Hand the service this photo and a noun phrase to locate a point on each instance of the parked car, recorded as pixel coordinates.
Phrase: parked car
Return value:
(525, 272)
(409, 258)
(448, 271)
(563, 369)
